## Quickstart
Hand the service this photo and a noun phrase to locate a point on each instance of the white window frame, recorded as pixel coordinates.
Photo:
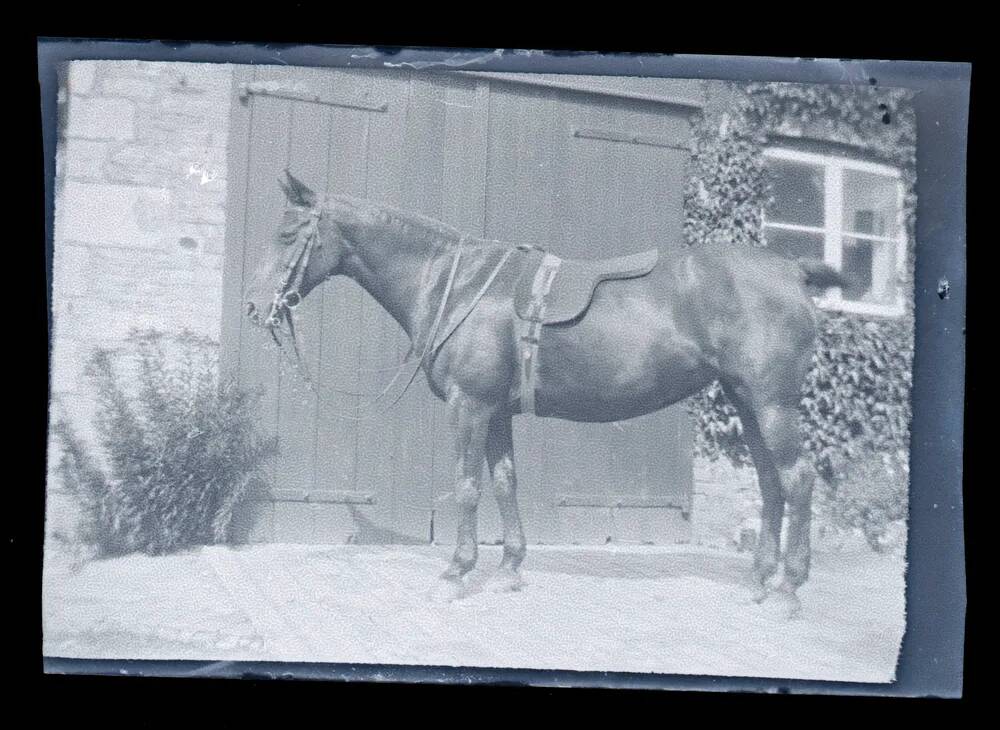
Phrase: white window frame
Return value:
(833, 233)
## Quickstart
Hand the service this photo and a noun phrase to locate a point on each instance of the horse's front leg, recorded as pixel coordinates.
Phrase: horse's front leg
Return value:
(469, 419)
(500, 458)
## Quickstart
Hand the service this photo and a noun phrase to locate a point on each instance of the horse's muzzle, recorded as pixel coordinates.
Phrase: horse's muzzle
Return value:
(254, 315)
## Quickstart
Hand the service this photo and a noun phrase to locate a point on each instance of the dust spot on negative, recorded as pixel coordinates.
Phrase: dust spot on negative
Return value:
(943, 289)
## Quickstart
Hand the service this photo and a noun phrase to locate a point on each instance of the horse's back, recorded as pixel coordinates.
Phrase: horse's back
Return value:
(647, 342)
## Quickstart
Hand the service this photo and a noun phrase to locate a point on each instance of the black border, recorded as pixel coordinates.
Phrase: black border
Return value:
(931, 658)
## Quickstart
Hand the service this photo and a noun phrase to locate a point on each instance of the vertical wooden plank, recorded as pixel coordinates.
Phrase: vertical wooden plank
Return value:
(237, 181)
(293, 522)
(463, 138)
(375, 450)
(336, 437)
(260, 361)
(425, 439)
(297, 411)
(395, 460)
(463, 182)
(262, 528)
(254, 524)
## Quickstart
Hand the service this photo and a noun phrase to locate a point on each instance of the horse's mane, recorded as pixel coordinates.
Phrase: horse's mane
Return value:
(436, 231)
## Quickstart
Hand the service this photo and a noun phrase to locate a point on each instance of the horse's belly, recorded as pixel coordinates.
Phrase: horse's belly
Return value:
(622, 360)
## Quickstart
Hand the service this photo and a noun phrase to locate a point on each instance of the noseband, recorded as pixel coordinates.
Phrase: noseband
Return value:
(288, 295)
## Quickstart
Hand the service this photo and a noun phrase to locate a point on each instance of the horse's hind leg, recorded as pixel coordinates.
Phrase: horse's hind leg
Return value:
(500, 458)
(779, 425)
(772, 434)
(797, 480)
(768, 550)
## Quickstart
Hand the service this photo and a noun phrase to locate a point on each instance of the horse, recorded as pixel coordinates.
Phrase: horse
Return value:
(741, 316)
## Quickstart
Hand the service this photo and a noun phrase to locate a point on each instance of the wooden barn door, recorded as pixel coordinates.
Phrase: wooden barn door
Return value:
(515, 163)
(591, 176)
(335, 478)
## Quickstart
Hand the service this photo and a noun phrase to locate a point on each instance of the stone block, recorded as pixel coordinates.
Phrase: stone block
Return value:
(71, 271)
(140, 163)
(81, 76)
(115, 215)
(82, 158)
(129, 87)
(67, 366)
(101, 118)
(94, 322)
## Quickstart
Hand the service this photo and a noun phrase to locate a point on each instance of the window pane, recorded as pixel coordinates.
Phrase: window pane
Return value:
(795, 244)
(871, 266)
(871, 203)
(798, 193)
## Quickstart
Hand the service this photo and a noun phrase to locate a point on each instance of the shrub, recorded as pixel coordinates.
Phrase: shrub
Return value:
(857, 393)
(726, 191)
(179, 447)
(871, 495)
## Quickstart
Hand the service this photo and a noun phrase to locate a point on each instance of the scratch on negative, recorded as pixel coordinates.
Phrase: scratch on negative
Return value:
(452, 62)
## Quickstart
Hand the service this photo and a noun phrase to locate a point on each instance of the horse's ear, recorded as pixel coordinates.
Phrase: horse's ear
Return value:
(297, 192)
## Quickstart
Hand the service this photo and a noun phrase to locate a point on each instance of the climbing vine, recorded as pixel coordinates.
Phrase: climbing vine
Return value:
(856, 400)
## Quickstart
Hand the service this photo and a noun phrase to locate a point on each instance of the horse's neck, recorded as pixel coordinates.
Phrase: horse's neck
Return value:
(401, 275)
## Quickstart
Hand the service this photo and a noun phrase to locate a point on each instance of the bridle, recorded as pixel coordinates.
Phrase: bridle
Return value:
(288, 296)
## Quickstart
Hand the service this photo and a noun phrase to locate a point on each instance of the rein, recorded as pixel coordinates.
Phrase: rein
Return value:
(287, 297)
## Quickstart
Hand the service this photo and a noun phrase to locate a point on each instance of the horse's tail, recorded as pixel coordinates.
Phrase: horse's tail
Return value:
(819, 277)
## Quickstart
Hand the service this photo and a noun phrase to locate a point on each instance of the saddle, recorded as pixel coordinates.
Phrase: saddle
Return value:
(571, 282)
(551, 290)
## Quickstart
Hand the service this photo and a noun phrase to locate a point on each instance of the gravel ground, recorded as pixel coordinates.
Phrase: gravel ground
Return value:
(677, 610)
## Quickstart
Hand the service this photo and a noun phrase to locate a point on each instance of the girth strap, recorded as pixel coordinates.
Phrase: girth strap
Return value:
(531, 328)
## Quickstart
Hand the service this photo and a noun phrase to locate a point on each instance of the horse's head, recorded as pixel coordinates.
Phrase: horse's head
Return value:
(307, 249)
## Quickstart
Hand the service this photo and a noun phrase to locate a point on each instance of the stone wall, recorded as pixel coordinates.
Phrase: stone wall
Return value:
(140, 207)
(725, 510)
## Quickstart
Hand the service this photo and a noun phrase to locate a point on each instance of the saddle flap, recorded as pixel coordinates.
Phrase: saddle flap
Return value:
(575, 281)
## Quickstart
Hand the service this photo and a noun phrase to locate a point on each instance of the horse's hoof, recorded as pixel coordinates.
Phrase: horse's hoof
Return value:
(504, 580)
(788, 603)
(758, 593)
(446, 590)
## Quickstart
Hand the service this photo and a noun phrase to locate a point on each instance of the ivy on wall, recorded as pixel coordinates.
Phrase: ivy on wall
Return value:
(856, 400)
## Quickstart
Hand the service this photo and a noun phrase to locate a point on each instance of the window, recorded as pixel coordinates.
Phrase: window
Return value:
(847, 213)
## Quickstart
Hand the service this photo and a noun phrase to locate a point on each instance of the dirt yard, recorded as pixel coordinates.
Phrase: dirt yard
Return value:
(678, 610)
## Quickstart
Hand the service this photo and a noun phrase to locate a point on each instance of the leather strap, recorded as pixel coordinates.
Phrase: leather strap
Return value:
(433, 343)
(532, 329)
(475, 300)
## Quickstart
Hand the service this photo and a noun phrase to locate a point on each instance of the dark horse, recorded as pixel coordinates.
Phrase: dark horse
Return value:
(742, 317)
